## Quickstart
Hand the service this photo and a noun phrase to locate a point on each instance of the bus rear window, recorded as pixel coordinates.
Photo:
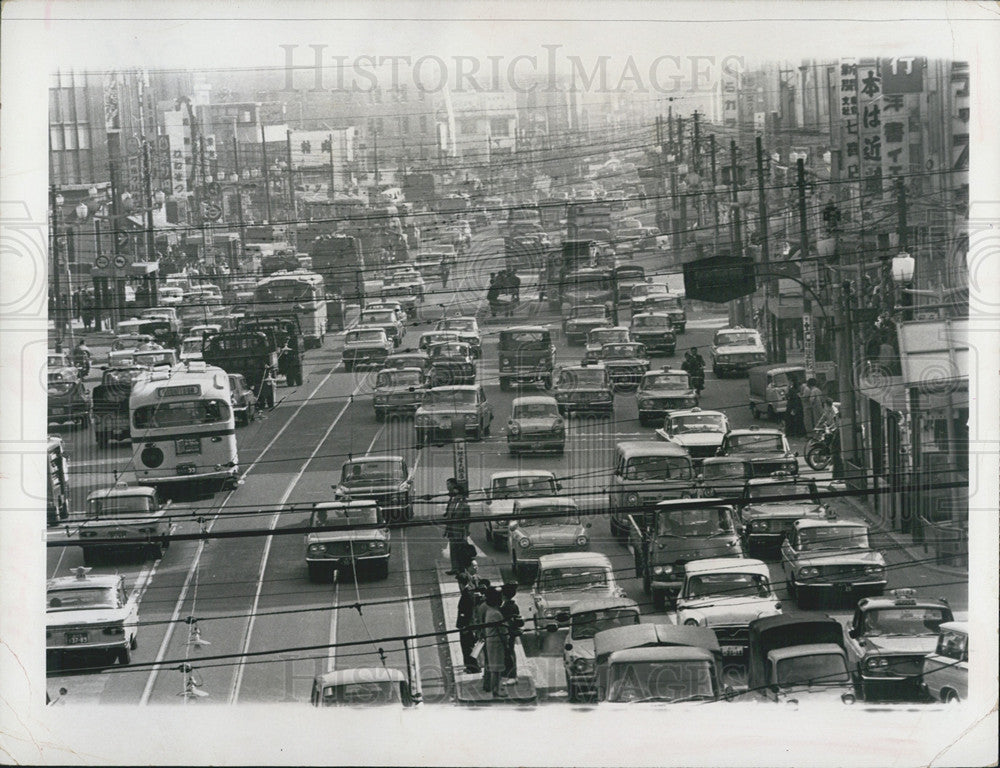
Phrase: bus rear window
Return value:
(181, 413)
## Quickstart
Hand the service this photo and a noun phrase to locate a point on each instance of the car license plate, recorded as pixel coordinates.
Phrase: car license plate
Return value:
(186, 469)
(187, 445)
(77, 638)
(845, 587)
(732, 650)
(116, 534)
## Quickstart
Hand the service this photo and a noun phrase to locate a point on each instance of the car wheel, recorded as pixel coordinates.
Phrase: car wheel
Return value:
(571, 691)
(805, 600)
(124, 656)
(477, 436)
(547, 382)
(951, 698)
(134, 642)
(154, 551)
(380, 570)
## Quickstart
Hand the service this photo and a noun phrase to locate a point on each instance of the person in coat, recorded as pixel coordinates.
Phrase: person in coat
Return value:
(793, 411)
(456, 529)
(815, 403)
(495, 635)
(468, 583)
(512, 616)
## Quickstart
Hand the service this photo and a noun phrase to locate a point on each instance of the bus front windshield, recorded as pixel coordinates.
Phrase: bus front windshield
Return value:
(181, 413)
(285, 291)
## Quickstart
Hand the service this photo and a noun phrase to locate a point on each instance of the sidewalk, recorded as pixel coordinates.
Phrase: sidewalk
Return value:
(469, 686)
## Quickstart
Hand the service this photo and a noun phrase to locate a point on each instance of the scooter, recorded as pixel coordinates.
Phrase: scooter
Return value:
(818, 449)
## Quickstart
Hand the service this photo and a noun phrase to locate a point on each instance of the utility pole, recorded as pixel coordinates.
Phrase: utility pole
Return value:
(715, 198)
(331, 192)
(670, 127)
(267, 174)
(147, 191)
(115, 239)
(776, 350)
(291, 176)
(673, 207)
(680, 138)
(737, 313)
(239, 202)
(696, 159)
(808, 339)
(375, 146)
(56, 286)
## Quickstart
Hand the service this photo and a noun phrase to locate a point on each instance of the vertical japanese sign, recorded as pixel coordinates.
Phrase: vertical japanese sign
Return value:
(870, 134)
(902, 80)
(850, 148)
(730, 106)
(809, 345)
(162, 164)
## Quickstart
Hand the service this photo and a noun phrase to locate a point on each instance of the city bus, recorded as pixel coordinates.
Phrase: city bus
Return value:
(182, 427)
(298, 293)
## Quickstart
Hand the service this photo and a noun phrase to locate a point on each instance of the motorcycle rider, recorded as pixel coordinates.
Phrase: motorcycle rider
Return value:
(694, 364)
(81, 358)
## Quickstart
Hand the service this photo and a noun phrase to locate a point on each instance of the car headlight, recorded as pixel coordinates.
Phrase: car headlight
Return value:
(645, 402)
(317, 549)
(524, 543)
(760, 525)
(423, 420)
(471, 417)
(663, 570)
(808, 573)
(515, 428)
(549, 613)
(581, 541)
(583, 666)
(505, 361)
(559, 426)
(376, 545)
(876, 664)
(875, 569)
(632, 499)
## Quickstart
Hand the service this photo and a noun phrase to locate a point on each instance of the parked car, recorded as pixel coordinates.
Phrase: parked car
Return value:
(338, 544)
(663, 391)
(442, 407)
(386, 480)
(655, 331)
(726, 595)
(584, 389)
(365, 346)
(244, 399)
(398, 391)
(888, 640)
(831, 559)
(736, 350)
(543, 526)
(946, 670)
(506, 487)
(700, 432)
(131, 515)
(92, 615)
(535, 425)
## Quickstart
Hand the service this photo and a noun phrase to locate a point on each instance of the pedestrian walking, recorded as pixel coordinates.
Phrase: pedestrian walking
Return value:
(793, 410)
(468, 583)
(87, 309)
(493, 294)
(512, 616)
(267, 386)
(807, 413)
(495, 637)
(816, 398)
(456, 529)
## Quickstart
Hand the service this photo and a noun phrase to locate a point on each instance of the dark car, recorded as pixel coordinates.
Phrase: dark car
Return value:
(626, 364)
(583, 318)
(452, 362)
(408, 358)
(584, 389)
(663, 391)
(68, 400)
(398, 391)
(626, 277)
(527, 355)
(445, 407)
(386, 480)
(767, 450)
(723, 476)
(598, 337)
(243, 398)
(769, 512)
(655, 330)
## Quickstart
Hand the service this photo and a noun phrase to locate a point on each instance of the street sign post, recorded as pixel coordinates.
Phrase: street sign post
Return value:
(102, 261)
(809, 345)
(121, 261)
(459, 455)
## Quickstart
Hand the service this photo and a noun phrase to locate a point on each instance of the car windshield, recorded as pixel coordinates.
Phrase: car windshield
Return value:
(457, 324)
(522, 487)
(587, 377)
(415, 361)
(114, 505)
(372, 471)
(190, 346)
(782, 490)
(666, 381)
(437, 338)
(694, 522)
(154, 357)
(399, 379)
(656, 289)
(668, 305)
(574, 577)
(449, 350)
(735, 339)
(525, 340)
(181, 413)
(58, 361)
(630, 274)
(365, 336)
(658, 468)
(728, 584)
(362, 694)
(833, 537)
(81, 598)
(661, 681)
(607, 336)
(535, 411)
(550, 515)
(344, 516)
(597, 312)
(585, 625)
(905, 620)
(126, 343)
(377, 317)
(621, 351)
(698, 423)
(814, 669)
(756, 443)
(450, 397)
(651, 321)
(722, 470)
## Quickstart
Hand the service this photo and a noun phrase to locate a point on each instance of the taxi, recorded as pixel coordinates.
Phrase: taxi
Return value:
(467, 329)
(452, 362)
(699, 432)
(626, 364)
(766, 450)
(888, 639)
(736, 350)
(505, 488)
(132, 516)
(429, 338)
(655, 330)
(663, 391)
(768, 514)
(542, 526)
(91, 614)
(830, 558)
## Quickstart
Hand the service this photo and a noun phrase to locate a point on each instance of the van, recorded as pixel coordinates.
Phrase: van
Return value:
(769, 386)
(645, 473)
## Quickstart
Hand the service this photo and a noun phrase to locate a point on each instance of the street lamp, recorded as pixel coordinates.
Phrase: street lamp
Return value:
(902, 269)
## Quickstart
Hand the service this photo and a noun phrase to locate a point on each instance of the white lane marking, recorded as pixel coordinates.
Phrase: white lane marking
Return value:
(331, 655)
(241, 667)
(378, 434)
(161, 653)
(411, 617)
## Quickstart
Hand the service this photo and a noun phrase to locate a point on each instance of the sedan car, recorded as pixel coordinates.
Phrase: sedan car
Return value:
(68, 399)
(655, 331)
(365, 346)
(831, 558)
(598, 337)
(584, 389)
(59, 368)
(946, 671)
(339, 544)
(132, 516)
(543, 526)
(535, 425)
(586, 619)
(452, 362)
(427, 338)
(446, 409)
(362, 687)
(642, 292)
(386, 480)
(767, 450)
(91, 614)
(467, 329)
(663, 391)
(507, 487)
(700, 432)
(387, 320)
(736, 350)
(626, 364)
(583, 318)
(723, 477)
(564, 579)
(408, 358)
(769, 516)
(398, 391)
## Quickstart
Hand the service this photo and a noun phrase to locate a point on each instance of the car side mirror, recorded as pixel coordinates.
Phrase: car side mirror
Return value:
(852, 632)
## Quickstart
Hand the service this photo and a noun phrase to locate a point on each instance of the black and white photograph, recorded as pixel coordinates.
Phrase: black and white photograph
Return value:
(499, 383)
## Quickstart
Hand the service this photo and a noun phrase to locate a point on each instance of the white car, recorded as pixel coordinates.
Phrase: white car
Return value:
(700, 432)
(566, 578)
(736, 350)
(170, 295)
(95, 614)
(467, 329)
(726, 594)
(946, 671)
(505, 488)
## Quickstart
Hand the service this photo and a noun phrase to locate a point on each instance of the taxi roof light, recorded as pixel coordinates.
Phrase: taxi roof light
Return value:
(81, 572)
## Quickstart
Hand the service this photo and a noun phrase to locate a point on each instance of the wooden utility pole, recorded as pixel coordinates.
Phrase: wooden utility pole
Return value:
(715, 198)
(331, 191)
(769, 335)
(267, 174)
(808, 333)
(239, 204)
(291, 176)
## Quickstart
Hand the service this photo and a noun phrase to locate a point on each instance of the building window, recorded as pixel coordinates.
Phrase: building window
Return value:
(69, 136)
(83, 136)
(55, 138)
(499, 126)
